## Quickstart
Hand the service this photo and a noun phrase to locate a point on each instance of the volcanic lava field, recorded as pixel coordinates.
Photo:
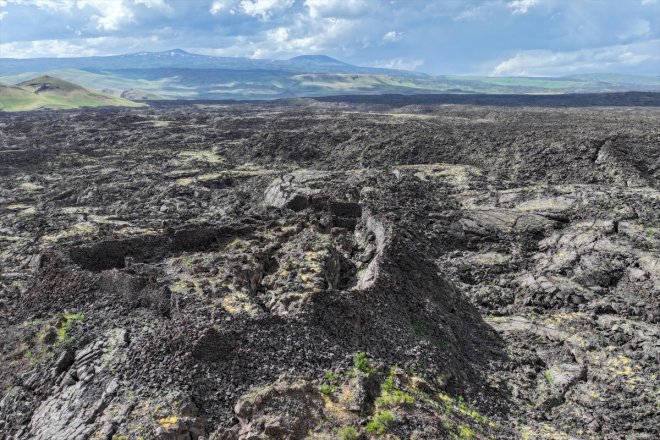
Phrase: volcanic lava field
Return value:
(330, 270)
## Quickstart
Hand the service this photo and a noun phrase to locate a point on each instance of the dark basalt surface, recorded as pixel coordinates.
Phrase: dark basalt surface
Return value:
(330, 269)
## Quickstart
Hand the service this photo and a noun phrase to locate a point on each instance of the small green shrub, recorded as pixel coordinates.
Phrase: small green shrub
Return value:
(380, 423)
(69, 319)
(331, 377)
(548, 377)
(348, 433)
(361, 363)
(388, 383)
(465, 433)
(331, 380)
(326, 389)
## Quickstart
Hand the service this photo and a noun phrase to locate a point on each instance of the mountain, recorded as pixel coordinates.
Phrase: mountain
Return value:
(178, 58)
(47, 92)
(177, 74)
(321, 59)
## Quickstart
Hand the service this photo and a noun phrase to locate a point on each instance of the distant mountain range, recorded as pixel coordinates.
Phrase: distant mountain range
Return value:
(177, 74)
(46, 92)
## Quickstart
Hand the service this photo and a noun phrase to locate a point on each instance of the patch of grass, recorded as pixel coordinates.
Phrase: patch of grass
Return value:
(464, 432)
(548, 377)
(388, 384)
(326, 389)
(395, 398)
(391, 396)
(348, 433)
(332, 377)
(69, 319)
(361, 363)
(445, 398)
(380, 423)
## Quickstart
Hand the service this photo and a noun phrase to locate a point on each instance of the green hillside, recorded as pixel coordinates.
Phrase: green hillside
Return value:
(47, 92)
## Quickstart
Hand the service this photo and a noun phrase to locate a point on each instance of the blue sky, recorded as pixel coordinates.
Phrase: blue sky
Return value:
(486, 37)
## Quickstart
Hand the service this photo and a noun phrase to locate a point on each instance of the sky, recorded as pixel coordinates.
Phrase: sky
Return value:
(477, 37)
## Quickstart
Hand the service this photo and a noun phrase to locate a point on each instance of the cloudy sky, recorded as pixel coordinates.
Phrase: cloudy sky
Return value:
(490, 37)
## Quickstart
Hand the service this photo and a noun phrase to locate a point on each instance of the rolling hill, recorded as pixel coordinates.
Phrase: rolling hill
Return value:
(47, 92)
(177, 74)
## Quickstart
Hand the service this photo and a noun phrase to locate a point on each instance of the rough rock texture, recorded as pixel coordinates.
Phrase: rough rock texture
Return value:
(330, 270)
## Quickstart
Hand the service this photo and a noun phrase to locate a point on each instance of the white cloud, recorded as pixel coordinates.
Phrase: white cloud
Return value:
(519, 7)
(222, 5)
(78, 32)
(108, 15)
(279, 35)
(47, 5)
(78, 47)
(470, 14)
(264, 8)
(337, 8)
(111, 13)
(635, 28)
(400, 63)
(549, 63)
(157, 4)
(3, 14)
(301, 36)
(649, 2)
(392, 36)
(47, 48)
(485, 10)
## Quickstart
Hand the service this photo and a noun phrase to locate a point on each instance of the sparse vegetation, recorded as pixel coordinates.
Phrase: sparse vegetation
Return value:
(465, 433)
(361, 362)
(392, 396)
(68, 321)
(326, 389)
(380, 422)
(348, 433)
